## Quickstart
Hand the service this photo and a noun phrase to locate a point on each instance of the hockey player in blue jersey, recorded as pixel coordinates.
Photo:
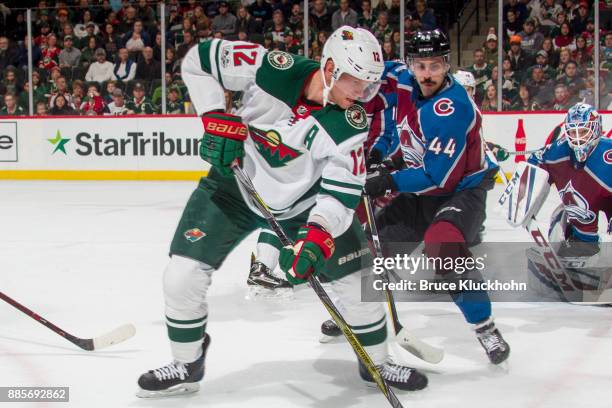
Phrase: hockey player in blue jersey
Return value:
(578, 162)
(444, 178)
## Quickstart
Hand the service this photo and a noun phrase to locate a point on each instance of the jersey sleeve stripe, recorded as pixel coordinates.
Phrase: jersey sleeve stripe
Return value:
(348, 200)
(216, 61)
(342, 184)
(204, 53)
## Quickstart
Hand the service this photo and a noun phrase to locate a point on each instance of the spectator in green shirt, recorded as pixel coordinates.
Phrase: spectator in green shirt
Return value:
(140, 104)
(157, 92)
(482, 73)
(382, 30)
(10, 107)
(174, 104)
(367, 16)
(491, 49)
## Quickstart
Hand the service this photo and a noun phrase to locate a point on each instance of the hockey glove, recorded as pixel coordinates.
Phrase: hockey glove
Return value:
(379, 183)
(223, 141)
(307, 256)
(499, 152)
(374, 159)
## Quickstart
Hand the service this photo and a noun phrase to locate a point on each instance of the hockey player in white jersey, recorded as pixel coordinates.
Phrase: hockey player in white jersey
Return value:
(299, 136)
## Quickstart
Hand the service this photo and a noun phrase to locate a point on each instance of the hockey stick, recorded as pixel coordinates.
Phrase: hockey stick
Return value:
(518, 153)
(118, 335)
(558, 272)
(408, 341)
(362, 354)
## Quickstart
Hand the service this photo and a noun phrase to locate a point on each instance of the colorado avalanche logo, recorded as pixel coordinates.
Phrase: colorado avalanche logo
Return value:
(410, 145)
(607, 156)
(576, 206)
(443, 107)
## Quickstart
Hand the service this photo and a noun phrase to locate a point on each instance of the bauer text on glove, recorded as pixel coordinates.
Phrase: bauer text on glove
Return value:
(223, 141)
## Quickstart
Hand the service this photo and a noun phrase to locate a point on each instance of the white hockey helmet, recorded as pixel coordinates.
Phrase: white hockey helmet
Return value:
(466, 80)
(356, 52)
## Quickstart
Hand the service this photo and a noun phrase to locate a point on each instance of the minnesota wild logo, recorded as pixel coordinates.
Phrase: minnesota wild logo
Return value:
(356, 116)
(347, 35)
(280, 60)
(271, 147)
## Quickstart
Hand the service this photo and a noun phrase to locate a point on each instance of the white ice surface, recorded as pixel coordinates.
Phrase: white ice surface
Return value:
(89, 256)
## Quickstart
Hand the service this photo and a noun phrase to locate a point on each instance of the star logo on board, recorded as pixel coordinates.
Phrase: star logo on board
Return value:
(59, 142)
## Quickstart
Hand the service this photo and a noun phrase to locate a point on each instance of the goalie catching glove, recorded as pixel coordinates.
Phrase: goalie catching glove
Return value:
(307, 256)
(223, 141)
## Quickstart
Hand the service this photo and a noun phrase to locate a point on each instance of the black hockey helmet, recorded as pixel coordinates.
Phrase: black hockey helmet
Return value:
(423, 44)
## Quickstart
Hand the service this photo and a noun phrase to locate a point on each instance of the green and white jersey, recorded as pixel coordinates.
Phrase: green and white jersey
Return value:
(298, 156)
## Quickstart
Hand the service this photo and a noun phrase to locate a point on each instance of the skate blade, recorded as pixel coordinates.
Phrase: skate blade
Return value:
(261, 293)
(502, 368)
(179, 389)
(325, 339)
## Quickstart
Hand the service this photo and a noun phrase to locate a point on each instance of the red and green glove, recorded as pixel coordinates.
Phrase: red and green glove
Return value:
(223, 141)
(307, 256)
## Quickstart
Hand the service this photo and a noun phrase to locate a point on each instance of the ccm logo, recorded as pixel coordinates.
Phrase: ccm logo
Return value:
(226, 129)
(443, 107)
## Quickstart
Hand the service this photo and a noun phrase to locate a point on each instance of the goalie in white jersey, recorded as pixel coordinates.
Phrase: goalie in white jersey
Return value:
(299, 135)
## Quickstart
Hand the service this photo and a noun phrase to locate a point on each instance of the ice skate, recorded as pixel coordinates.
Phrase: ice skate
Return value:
(330, 331)
(492, 341)
(398, 376)
(262, 283)
(175, 378)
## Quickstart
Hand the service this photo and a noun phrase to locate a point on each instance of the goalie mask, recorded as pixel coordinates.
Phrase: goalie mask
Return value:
(582, 128)
(358, 63)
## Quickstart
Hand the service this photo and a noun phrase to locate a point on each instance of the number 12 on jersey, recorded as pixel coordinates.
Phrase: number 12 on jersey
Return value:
(358, 161)
(436, 147)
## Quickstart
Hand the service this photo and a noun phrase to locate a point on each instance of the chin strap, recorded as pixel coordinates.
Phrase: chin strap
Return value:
(326, 88)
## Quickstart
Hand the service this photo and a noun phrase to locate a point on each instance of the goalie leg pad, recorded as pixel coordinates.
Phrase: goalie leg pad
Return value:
(557, 231)
(524, 194)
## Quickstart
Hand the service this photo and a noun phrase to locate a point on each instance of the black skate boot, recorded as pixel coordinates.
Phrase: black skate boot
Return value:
(329, 331)
(492, 341)
(262, 283)
(174, 378)
(400, 377)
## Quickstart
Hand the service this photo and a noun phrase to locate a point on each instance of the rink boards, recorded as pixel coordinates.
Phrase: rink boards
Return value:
(166, 147)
